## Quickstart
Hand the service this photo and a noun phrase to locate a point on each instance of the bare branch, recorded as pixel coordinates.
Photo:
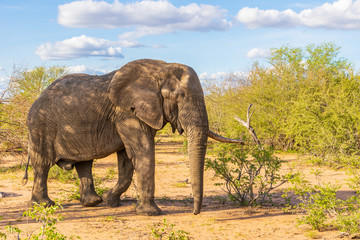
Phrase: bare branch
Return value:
(249, 127)
(247, 116)
(242, 122)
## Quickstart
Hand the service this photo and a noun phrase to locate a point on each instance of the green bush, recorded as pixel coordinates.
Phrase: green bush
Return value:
(47, 217)
(24, 88)
(64, 176)
(247, 180)
(306, 100)
(322, 208)
(167, 231)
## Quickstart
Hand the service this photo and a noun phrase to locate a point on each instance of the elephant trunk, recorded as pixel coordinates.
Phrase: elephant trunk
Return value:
(197, 128)
(197, 149)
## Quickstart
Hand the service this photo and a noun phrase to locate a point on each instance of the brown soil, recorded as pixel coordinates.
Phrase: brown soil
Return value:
(219, 219)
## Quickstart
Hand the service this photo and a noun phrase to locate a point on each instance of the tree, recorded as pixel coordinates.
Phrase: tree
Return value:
(305, 100)
(24, 88)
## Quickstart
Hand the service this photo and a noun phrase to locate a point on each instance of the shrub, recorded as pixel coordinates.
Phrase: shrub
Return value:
(167, 231)
(323, 209)
(24, 88)
(247, 181)
(62, 175)
(45, 215)
(307, 100)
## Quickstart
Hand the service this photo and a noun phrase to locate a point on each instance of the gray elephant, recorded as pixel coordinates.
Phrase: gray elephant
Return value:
(81, 117)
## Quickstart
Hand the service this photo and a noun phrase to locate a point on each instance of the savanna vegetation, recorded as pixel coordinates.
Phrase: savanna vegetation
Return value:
(306, 101)
(23, 89)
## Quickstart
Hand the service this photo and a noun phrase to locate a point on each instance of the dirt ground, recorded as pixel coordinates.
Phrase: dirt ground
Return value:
(219, 219)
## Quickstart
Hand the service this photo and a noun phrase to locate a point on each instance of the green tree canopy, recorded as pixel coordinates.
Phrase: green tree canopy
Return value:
(24, 88)
(305, 99)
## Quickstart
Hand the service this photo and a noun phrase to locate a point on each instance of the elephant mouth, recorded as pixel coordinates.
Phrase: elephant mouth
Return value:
(177, 126)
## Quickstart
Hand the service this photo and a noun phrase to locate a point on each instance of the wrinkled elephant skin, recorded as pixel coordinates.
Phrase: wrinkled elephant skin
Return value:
(81, 117)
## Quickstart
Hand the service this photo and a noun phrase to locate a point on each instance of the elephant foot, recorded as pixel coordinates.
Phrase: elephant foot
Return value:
(149, 209)
(90, 201)
(41, 200)
(111, 200)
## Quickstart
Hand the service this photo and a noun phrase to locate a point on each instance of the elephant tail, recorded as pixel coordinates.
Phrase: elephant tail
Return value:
(25, 178)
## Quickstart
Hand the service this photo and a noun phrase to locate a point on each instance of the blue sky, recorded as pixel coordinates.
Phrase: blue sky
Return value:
(213, 37)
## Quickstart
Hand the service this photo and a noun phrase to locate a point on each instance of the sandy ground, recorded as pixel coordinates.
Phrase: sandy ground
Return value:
(219, 219)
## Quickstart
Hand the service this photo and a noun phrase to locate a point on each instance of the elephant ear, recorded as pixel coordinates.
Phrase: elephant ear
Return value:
(134, 87)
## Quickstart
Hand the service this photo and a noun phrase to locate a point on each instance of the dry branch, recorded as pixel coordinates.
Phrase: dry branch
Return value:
(249, 127)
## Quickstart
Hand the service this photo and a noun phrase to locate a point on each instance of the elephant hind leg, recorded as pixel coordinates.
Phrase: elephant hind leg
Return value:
(126, 170)
(88, 196)
(40, 190)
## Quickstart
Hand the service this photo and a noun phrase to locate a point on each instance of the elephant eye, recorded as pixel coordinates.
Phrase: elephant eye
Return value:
(180, 94)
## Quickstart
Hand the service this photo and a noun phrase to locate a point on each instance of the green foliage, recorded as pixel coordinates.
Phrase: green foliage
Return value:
(99, 183)
(337, 161)
(349, 223)
(247, 180)
(306, 100)
(24, 88)
(185, 146)
(62, 175)
(13, 169)
(46, 216)
(322, 208)
(166, 231)
(3, 236)
(12, 230)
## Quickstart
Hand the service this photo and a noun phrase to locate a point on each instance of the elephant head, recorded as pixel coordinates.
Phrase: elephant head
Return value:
(158, 93)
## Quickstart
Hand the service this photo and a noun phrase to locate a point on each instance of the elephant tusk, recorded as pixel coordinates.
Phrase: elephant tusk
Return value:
(220, 138)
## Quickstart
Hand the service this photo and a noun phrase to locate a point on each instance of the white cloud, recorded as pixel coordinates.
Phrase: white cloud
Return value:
(258, 53)
(86, 69)
(221, 75)
(82, 46)
(3, 80)
(212, 76)
(1, 68)
(341, 14)
(255, 18)
(147, 14)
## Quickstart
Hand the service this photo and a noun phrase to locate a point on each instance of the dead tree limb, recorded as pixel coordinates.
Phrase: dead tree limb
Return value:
(249, 127)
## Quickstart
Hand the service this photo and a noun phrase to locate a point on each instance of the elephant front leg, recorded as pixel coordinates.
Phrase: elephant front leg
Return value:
(145, 169)
(139, 143)
(126, 170)
(88, 196)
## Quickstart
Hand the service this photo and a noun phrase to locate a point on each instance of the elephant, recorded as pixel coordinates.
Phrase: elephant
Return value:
(82, 117)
